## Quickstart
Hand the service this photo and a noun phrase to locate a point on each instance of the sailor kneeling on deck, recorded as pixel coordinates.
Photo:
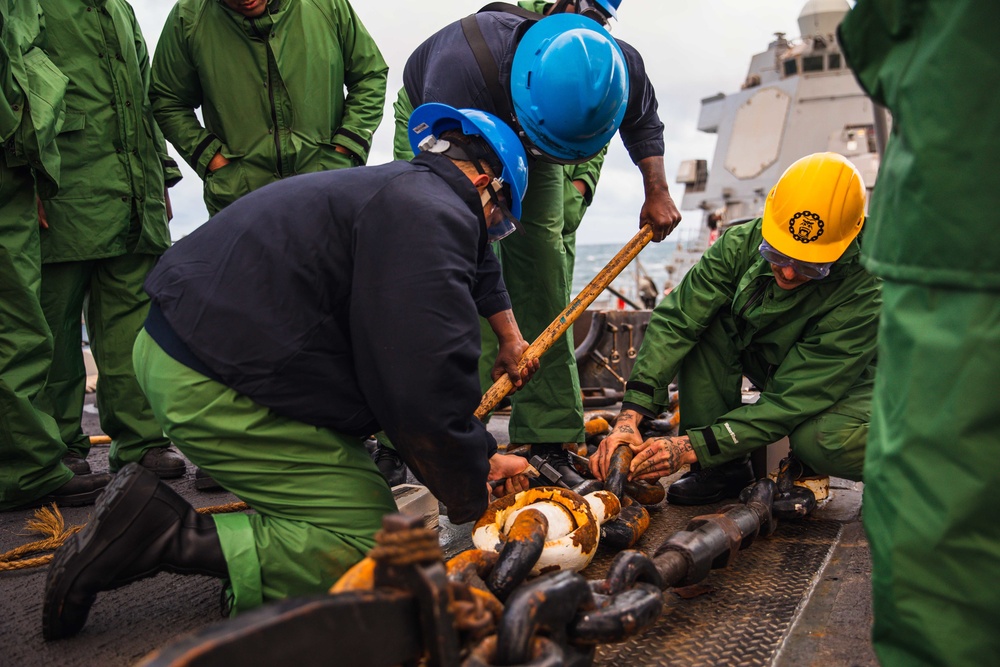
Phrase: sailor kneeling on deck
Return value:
(785, 302)
(302, 318)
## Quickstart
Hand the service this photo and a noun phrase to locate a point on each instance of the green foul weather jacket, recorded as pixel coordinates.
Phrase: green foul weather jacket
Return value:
(271, 90)
(806, 348)
(31, 92)
(114, 159)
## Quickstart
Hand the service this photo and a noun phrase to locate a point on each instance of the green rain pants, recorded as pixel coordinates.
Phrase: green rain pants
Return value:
(318, 496)
(574, 207)
(116, 307)
(30, 448)
(931, 478)
(537, 270)
(710, 382)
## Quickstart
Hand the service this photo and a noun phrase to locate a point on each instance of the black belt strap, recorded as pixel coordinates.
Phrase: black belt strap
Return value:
(508, 8)
(487, 64)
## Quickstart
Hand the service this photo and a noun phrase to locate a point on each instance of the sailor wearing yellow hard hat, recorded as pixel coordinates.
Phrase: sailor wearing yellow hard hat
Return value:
(784, 301)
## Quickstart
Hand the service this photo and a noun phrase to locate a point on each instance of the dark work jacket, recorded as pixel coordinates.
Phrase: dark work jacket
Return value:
(344, 299)
(444, 69)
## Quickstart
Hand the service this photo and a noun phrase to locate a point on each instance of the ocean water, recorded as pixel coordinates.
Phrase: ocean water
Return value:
(657, 261)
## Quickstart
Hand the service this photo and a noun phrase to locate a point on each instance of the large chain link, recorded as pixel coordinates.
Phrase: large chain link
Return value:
(480, 610)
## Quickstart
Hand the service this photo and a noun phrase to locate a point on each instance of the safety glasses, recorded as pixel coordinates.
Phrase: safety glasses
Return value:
(811, 270)
(496, 194)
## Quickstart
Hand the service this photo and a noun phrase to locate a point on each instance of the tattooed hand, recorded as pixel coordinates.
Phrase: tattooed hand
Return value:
(660, 457)
(625, 432)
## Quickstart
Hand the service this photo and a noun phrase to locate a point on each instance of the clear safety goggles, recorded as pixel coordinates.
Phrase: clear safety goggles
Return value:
(590, 9)
(811, 270)
(494, 194)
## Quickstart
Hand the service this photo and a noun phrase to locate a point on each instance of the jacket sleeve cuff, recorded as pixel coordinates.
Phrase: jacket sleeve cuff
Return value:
(713, 446)
(353, 142)
(171, 173)
(635, 407)
(641, 397)
(203, 154)
(645, 149)
(493, 304)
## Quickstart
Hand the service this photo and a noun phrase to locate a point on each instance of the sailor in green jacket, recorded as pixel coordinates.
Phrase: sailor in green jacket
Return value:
(784, 301)
(31, 111)
(269, 76)
(104, 228)
(933, 463)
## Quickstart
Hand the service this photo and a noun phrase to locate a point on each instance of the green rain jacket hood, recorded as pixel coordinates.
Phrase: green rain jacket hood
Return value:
(113, 156)
(271, 90)
(805, 348)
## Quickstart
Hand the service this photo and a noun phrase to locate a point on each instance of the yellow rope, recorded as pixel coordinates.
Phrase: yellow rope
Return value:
(49, 523)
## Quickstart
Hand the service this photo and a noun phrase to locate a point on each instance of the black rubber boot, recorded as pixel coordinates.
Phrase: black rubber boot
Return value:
(204, 482)
(80, 490)
(78, 464)
(164, 461)
(710, 485)
(389, 463)
(140, 527)
(557, 457)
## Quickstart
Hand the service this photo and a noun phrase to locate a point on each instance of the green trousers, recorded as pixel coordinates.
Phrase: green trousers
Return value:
(319, 498)
(116, 307)
(710, 381)
(30, 448)
(931, 478)
(538, 272)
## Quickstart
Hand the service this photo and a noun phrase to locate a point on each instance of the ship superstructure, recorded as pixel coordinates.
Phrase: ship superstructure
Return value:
(798, 97)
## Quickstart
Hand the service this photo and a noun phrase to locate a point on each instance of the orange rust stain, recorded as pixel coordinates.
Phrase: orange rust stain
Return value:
(359, 577)
(473, 560)
(527, 525)
(586, 537)
(612, 505)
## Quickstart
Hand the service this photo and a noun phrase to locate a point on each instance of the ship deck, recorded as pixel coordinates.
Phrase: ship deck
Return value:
(800, 597)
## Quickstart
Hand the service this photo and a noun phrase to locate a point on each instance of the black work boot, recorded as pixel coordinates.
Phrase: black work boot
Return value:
(78, 464)
(558, 458)
(78, 491)
(165, 462)
(389, 463)
(204, 482)
(140, 527)
(710, 485)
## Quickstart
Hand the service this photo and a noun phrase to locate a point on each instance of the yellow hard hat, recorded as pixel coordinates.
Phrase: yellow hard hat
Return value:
(816, 209)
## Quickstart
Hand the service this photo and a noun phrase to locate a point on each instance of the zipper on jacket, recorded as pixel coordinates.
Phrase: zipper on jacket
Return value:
(754, 298)
(272, 70)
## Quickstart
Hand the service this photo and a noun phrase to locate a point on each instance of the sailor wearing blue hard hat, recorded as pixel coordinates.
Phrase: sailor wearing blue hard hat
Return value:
(566, 87)
(361, 289)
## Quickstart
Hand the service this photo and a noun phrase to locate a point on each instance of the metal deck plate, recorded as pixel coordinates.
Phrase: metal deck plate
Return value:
(745, 611)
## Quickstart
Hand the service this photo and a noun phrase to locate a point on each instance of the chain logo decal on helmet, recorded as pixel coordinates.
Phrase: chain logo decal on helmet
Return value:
(802, 225)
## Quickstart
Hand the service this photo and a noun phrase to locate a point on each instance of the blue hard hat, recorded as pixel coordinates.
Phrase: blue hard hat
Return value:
(430, 120)
(569, 84)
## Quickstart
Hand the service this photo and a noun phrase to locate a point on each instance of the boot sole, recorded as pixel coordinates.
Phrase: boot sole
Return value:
(207, 484)
(72, 500)
(82, 549)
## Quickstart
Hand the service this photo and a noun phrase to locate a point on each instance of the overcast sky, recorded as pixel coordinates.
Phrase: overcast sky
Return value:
(692, 50)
